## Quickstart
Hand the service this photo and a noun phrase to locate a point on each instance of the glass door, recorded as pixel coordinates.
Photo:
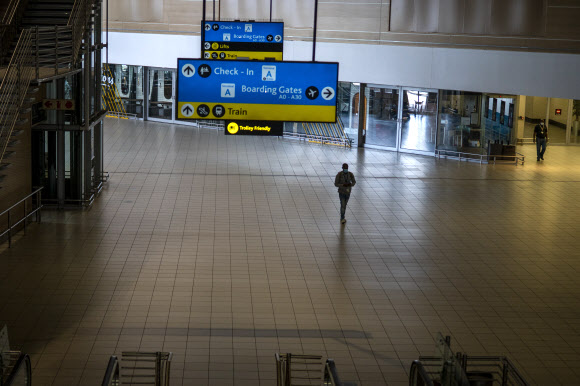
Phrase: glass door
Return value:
(161, 94)
(382, 123)
(418, 121)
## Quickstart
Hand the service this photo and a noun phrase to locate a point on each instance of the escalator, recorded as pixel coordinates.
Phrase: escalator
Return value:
(16, 369)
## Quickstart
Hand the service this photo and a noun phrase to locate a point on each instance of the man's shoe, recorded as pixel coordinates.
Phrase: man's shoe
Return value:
(538, 159)
(343, 221)
(542, 158)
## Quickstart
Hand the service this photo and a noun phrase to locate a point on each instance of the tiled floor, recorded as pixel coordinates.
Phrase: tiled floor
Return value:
(225, 250)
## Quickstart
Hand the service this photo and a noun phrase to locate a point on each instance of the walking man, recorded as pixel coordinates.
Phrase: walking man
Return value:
(344, 181)
(541, 139)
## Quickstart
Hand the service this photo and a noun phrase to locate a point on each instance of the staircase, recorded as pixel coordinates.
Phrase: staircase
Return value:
(47, 13)
(40, 40)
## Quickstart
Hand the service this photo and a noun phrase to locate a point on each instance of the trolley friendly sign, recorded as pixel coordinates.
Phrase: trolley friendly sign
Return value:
(252, 90)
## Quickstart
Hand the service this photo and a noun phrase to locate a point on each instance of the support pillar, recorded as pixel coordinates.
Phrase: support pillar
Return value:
(362, 115)
(87, 151)
(520, 116)
(98, 129)
(60, 148)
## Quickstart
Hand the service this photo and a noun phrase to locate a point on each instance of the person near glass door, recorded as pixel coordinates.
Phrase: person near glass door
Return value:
(344, 181)
(541, 139)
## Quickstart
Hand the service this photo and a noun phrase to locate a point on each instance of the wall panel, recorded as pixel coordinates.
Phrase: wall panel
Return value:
(427, 15)
(517, 17)
(507, 72)
(425, 22)
(563, 21)
(451, 16)
(403, 15)
(477, 17)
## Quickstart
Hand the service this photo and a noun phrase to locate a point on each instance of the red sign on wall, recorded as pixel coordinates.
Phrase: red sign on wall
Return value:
(58, 104)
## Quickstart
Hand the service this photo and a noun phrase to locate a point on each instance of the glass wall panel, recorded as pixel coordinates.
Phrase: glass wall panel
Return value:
(498, 122)
(382, 114)
(419, 126)
(348, 105)
(161, 94)
(460, 121)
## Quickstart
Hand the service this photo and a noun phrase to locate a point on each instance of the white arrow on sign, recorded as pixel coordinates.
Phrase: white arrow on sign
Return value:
(327, 93)
(187, 110)
(278, 38)
(188, 70)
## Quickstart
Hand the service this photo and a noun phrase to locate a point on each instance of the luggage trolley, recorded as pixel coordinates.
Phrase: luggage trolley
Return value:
(460, 369)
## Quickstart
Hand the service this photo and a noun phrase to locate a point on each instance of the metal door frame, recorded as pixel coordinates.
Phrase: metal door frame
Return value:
(398, 133)
(400, 129)
(398, 147)
(173, 89)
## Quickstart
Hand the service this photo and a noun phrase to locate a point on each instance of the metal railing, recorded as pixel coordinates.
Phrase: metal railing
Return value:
(300, 369)
(481, 158)
(8, 25)
(324, 133)
(331, 377)
(78, 20)
(52, 50)
(211, 124)
(112, 377)
(418, 375)
(145, 368)
(14, 87)
(21, 372)
(36, 210)
(521, 141)
(460, 369)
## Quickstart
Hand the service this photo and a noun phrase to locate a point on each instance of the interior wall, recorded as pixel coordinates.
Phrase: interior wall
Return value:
(507, 24)
(514, 73)
(558, 103)
(538, 18)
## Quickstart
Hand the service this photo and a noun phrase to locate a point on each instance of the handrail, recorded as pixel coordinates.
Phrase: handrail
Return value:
(36, 211)
(78, 19)
(13, 378)
(288, 363)
(417, 369)
(161, 367)
(331, 377)
(330, 133)
(482, 157)
(11, 9)
(111, 377)
(319, 138)
(14, 87)
(9, 23)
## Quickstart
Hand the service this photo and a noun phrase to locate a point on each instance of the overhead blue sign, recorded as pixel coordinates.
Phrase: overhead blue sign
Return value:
(237, 39)
(244, 32)
(271, 91)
